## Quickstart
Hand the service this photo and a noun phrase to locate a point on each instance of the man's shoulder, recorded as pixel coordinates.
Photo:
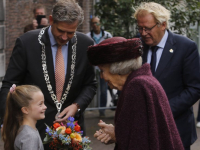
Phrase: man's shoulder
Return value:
(31, 33)
(180, 38)
(107, 34)
(88, 34)
(83, 36)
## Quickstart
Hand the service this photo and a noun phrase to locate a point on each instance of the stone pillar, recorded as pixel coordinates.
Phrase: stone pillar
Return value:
(87, 6)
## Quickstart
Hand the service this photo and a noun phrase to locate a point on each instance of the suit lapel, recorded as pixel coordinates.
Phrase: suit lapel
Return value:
(49, 59)
(167, 54)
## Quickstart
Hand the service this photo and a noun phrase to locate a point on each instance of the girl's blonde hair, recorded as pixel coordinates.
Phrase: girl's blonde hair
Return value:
(160, 13)
(20, 97)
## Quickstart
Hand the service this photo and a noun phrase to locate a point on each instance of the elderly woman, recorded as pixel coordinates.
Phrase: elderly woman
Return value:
(143, 119)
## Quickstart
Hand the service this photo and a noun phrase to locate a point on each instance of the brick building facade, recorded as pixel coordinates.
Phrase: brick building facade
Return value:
(19, 13)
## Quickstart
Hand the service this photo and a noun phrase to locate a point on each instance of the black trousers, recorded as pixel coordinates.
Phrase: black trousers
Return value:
(187, 148)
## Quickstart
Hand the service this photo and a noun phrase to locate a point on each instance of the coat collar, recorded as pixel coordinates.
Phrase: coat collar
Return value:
(143, 70)
(45, 38)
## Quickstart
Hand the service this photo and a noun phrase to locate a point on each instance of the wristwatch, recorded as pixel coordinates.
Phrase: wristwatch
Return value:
(78, 107)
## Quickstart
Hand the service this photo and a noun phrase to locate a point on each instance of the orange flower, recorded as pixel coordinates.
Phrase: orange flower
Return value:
(68, 131)
(77, 138)
(56, 125)
(77, 128)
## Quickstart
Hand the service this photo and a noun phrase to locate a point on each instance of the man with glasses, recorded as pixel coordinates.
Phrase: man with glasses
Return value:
(174, 61)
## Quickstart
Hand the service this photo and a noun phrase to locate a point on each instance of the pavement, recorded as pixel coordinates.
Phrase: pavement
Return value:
(92, 118)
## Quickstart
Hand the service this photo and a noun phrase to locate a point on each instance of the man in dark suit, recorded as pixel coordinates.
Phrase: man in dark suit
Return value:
(35, 60)
(174, 62)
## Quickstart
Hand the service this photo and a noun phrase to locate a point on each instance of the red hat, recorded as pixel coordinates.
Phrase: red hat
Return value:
(113, 50)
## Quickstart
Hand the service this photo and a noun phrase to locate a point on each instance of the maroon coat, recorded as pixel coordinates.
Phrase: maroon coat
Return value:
(143, 119)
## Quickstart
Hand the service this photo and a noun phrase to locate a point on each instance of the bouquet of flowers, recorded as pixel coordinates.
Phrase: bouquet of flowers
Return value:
(66, 136)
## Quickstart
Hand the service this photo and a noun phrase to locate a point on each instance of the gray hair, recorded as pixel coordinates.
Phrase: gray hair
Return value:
(160, 13)
(68, 11)
(125, 67)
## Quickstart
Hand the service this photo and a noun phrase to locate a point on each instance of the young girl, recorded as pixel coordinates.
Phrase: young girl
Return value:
(24, 106)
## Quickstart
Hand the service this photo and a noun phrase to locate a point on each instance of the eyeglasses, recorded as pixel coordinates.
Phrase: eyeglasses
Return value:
(147, 30)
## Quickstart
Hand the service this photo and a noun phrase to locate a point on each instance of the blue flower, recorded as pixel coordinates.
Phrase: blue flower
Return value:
(71, 119)
(67, 140)
(50, 133)
(55, 134)
(61, 137)
(48, 130)
(85, 140)
(81, 132)
(68, 124)
(71, 125)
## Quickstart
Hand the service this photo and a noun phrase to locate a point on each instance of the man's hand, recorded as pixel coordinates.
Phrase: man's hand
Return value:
(35, 24)
(70, 111)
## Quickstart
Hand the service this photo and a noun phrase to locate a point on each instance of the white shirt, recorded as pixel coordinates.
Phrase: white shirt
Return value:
(106, 35)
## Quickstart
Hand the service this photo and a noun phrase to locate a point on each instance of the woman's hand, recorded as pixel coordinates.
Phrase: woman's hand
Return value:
(103, 137)
(106, 134)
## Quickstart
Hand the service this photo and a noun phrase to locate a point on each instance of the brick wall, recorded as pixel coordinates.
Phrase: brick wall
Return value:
(20, 13)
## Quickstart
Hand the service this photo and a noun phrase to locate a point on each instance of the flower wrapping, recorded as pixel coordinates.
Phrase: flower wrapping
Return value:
(66, 136)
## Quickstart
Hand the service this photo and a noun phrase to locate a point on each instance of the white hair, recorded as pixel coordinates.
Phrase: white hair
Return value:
(125, 67)
(160, 13)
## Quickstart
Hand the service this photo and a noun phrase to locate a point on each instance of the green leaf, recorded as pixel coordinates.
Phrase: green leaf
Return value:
(58, 132)
(47, 139)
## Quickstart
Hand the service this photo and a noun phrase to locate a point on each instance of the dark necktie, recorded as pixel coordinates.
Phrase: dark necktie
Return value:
(153, 59)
